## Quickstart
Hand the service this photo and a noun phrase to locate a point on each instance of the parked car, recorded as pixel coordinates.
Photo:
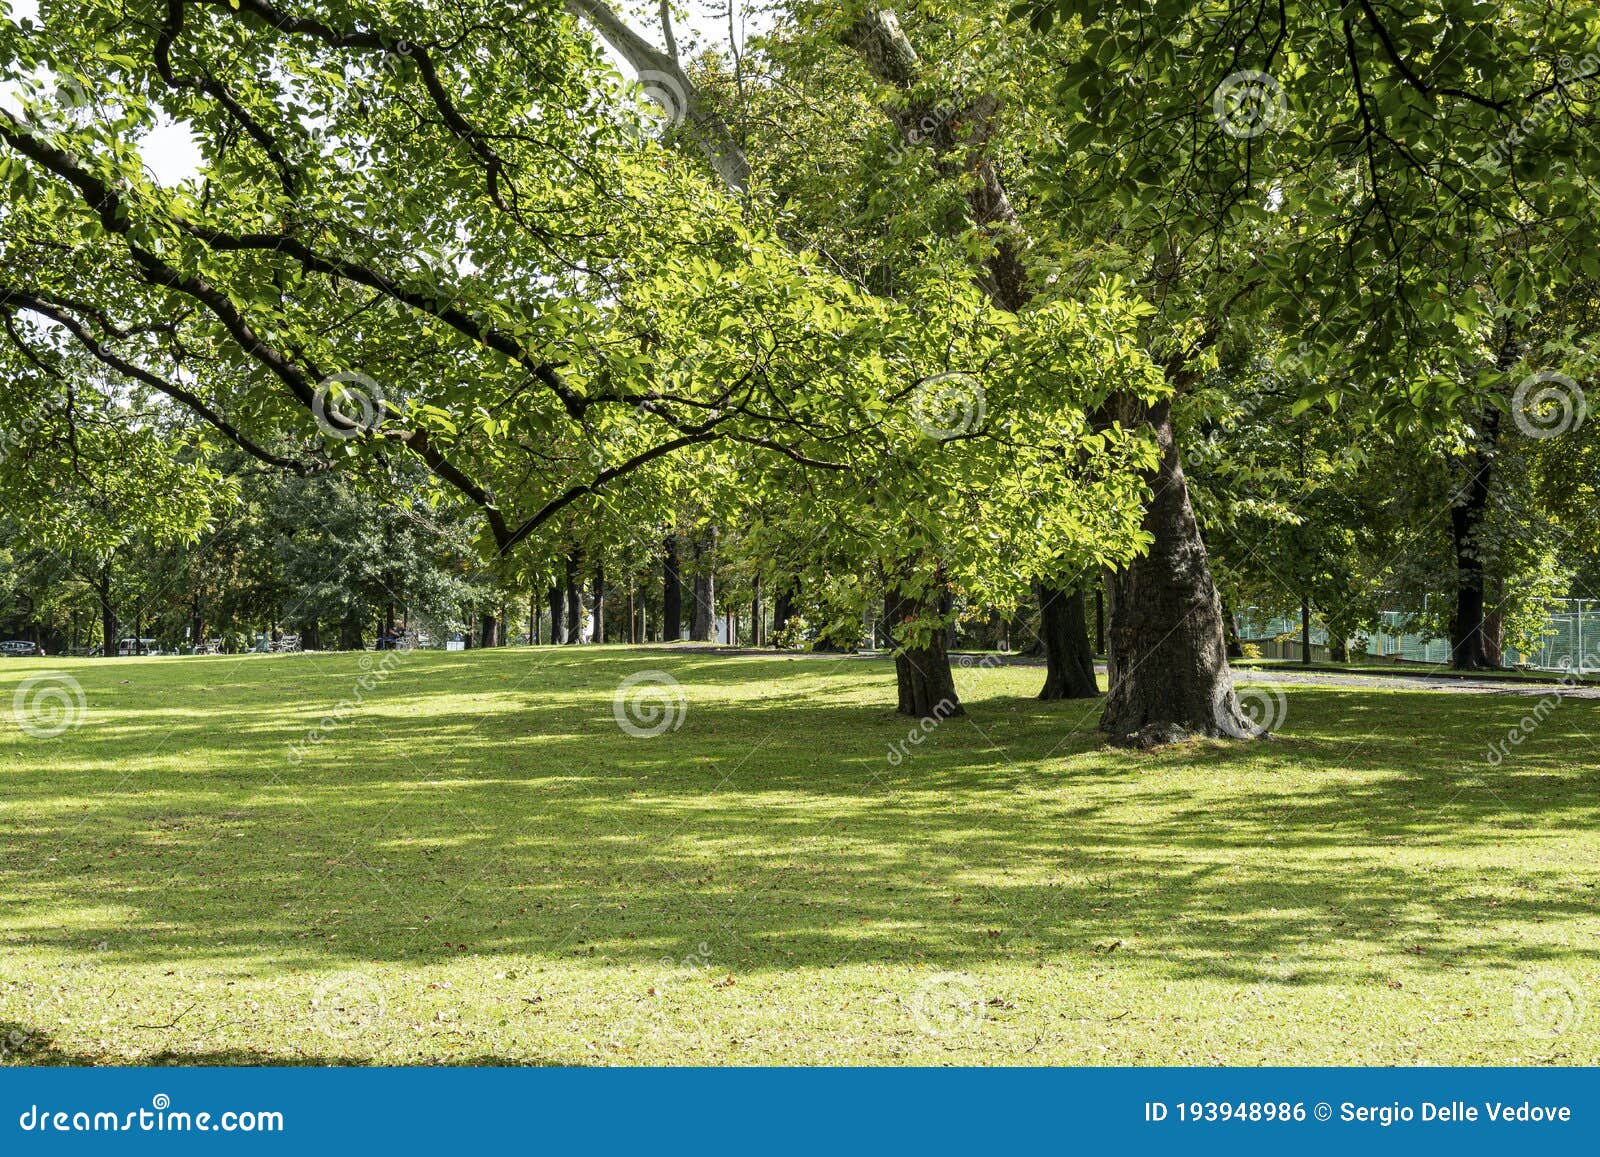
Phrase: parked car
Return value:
(18, 648)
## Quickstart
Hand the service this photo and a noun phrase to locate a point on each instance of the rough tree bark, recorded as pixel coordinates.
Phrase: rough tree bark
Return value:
(1474, 641)
(1230, 632)
(758, 631)
(599, 635)
(783, 608)
(1169, 675)
(1494, 622)
(705, 588)
(671, 593)
(109, 627)
(1469, 644)
(556, 637)
(926, 688)
(574, 579)
(1064, 631)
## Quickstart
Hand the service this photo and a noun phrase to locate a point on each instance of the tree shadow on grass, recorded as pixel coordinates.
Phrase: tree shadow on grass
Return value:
(461, 813)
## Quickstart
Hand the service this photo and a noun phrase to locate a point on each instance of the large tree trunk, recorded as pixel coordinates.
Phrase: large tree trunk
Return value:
(926, 688)
(1494, 621)
(783, 607)
(671, 593)
(1470, 649)
(109, 626)
(1100, 617)
(701, 623)
(1064, 633)
(599, 635)
(705, 594)
(1230, 632)
(575, 597)
(486, 630)
(352, 634)
(556, 637)
(1167, 649)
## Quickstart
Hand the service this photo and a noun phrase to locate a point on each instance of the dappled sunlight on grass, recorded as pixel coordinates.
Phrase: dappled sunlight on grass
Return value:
(474, 861)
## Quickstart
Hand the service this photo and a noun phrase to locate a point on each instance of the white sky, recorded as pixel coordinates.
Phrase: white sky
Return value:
(171, 156)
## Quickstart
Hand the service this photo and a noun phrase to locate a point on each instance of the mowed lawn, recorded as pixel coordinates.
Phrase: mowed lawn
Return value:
(477, 864)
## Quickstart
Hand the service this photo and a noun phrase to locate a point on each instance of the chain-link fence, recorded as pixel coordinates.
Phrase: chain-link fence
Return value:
(1570, 639)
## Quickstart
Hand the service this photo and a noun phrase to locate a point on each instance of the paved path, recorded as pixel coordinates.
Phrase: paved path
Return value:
(1420, 681)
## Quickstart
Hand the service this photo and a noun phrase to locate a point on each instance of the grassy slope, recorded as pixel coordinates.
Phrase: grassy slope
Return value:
(480, 866)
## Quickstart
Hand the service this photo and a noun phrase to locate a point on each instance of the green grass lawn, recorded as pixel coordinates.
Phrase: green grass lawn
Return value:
(478, 865)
